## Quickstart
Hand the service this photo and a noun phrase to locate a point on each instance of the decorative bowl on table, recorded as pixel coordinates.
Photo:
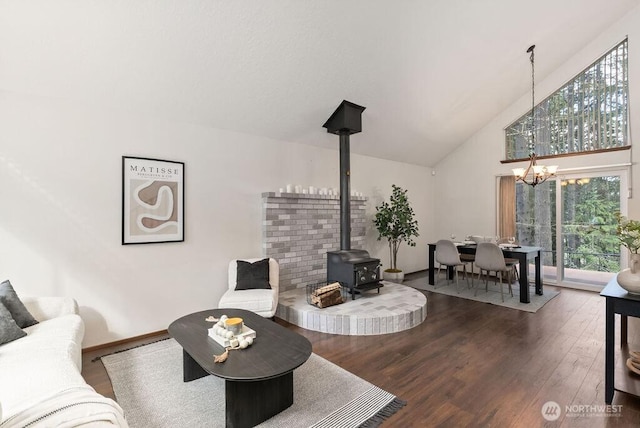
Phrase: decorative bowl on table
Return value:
(629, 281)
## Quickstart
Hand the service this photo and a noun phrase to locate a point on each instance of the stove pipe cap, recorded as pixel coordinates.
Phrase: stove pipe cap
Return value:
(347, 119)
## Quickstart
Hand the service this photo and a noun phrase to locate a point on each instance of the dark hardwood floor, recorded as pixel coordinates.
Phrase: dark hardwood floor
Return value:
(475, 364)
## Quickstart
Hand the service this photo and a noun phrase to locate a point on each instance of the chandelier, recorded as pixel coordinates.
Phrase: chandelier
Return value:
(534, 174)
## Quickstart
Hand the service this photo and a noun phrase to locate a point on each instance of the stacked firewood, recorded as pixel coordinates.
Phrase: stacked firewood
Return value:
(327, 295)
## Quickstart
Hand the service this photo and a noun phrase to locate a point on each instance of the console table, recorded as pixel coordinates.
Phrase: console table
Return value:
(625, 304)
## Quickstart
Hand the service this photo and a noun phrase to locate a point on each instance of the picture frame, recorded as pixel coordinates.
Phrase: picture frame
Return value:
(152, 200)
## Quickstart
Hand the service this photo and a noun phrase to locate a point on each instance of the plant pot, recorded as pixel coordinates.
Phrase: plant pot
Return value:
(396, 276)
(629, 279)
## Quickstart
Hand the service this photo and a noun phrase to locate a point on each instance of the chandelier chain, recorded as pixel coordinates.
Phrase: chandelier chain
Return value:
(539, 173)
(532, 147)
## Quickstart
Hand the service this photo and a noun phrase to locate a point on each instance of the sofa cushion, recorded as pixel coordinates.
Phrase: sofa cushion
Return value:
(9, 330)
(253, 275)
(10, 299)
(259, 300)
(61, 336)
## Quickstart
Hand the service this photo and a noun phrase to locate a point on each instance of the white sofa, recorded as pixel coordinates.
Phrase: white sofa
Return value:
(40, 374)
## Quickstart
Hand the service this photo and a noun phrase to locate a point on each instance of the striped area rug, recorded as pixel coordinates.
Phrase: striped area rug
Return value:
(148, 385)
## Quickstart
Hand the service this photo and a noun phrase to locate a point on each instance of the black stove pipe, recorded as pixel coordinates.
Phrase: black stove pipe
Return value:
(345, 120)
(345, 192)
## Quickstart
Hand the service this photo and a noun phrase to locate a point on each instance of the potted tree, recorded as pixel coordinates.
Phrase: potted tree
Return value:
(394, 221)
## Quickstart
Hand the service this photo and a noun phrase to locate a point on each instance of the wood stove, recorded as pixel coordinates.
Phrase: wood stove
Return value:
(354, 269)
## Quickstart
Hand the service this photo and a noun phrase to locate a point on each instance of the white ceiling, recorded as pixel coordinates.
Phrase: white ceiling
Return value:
(430, 73)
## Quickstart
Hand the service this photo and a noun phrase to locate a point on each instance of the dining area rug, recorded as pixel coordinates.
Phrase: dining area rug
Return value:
(492, 296)
(147, 382)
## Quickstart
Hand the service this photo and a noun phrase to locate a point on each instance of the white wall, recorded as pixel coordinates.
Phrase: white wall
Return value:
(61, 192)
(465, 182)
(60, 188)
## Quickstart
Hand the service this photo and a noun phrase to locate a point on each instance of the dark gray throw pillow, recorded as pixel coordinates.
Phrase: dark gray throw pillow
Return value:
(12, 302)
(9, 330)
(253, 275)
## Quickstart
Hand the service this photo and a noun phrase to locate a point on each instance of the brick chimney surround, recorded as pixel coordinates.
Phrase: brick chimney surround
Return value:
(299, 228)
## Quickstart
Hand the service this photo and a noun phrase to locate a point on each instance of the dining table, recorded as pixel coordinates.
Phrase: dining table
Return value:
(524, 254)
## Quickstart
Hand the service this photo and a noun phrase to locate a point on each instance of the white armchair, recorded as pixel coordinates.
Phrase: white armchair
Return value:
(259, 300)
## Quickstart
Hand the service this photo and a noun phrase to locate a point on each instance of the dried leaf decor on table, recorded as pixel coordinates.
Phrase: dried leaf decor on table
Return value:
(222, 357)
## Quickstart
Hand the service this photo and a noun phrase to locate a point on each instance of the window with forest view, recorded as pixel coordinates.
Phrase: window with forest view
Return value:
(575, 228)
(588, 113)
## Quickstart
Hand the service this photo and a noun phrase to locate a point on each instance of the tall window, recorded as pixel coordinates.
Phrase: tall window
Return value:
(588, 113)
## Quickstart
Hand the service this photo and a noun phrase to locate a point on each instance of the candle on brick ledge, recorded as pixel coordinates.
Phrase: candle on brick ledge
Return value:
(289, 188)
(312, 190)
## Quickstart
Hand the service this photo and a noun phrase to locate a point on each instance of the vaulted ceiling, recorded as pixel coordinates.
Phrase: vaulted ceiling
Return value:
(430, 73)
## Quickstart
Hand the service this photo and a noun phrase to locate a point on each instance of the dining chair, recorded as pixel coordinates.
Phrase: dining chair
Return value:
(447, 255)
(489, 258)
(508, 260)
(469, 258)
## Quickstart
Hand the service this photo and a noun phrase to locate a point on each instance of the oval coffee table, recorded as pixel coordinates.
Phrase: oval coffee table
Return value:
(258, 379)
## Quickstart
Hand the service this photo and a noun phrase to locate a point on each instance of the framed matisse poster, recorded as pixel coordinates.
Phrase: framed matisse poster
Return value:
(152, 201)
